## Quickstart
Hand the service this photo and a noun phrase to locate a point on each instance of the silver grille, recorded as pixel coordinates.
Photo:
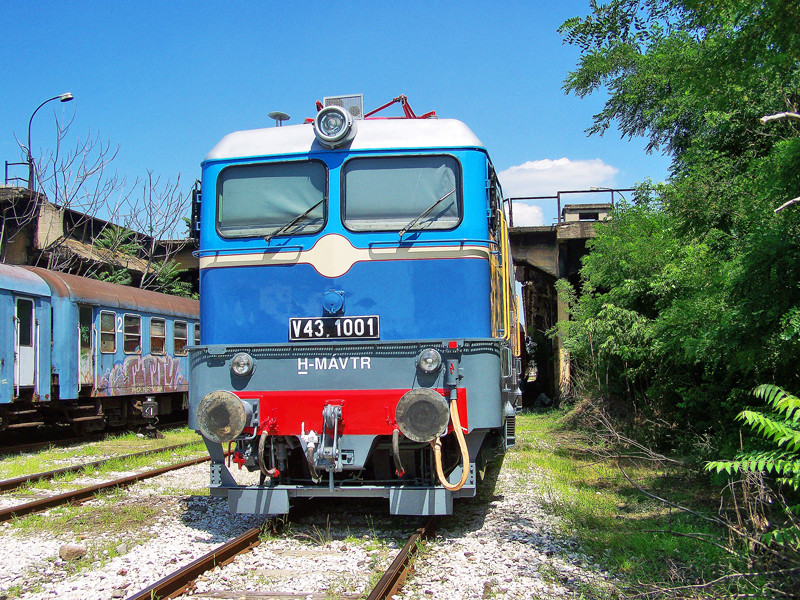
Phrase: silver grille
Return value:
(511, 431)
(354, 104)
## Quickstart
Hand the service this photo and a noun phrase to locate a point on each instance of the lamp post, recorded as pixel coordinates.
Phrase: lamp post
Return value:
(66, 97)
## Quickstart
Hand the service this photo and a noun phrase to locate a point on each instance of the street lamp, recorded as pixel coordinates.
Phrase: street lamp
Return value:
(31, 164)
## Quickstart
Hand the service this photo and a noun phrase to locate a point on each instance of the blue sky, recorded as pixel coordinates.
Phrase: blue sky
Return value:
(166, 80)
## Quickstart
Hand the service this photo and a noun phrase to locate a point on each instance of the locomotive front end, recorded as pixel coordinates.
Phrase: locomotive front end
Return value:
(357, 309)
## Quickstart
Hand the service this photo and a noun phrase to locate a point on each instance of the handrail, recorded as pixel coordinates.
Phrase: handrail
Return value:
(504, 253)
(246, 250)
(460, 242)
(297, 247)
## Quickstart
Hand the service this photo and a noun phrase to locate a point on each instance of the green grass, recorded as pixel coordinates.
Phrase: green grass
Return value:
(56, 458)
(640, 540)
(115, 514)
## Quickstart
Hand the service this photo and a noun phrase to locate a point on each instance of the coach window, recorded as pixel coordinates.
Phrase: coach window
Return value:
(158, 336)
(108, 332)
(197, 334)
(24, 317)
(409, 193)
(132, 334)
(180, 336)
(272, 199)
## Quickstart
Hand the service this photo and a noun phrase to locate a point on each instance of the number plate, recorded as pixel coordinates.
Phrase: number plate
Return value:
(334, 328)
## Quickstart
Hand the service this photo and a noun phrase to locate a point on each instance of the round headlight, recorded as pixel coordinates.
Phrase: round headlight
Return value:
(429, 361)
(242, 364)
(334, 126)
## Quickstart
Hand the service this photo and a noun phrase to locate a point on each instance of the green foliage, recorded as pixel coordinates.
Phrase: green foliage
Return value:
(689, 297)
(162, 275)
(681, 72)
(781, 429)
(118, 239)
(167, 280)
(118, 276)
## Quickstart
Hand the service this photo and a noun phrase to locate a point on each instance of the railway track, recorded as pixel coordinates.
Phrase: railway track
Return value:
(83, 494)
(17, 482)
(182, 580)
(53, 443)
(55, 440)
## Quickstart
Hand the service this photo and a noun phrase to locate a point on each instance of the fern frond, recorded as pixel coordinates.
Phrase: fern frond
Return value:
(781, 432)
(782, 465)
(782, 401)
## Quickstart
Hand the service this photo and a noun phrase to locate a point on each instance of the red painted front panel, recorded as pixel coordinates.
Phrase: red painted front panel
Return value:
(364, 412)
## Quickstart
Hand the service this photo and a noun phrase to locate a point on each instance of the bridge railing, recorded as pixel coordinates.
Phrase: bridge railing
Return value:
(557, 198)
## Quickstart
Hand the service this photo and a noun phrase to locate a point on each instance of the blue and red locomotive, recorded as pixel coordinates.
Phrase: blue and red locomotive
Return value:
(360, 335)
(89, 353)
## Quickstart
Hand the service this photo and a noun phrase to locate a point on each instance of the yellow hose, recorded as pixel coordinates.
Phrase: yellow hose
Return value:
(462, 444)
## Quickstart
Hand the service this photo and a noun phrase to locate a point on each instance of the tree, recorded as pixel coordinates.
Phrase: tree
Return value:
(703, 271)
(98, 225)
(157, 214)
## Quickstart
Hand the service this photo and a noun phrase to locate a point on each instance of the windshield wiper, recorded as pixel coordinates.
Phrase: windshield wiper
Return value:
(294, 221)
(429, 209)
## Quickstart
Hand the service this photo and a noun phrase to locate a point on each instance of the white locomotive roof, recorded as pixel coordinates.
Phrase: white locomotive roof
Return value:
(371, 134)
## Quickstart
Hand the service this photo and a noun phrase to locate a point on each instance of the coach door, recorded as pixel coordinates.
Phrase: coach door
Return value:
(24, 343)
(85, 346)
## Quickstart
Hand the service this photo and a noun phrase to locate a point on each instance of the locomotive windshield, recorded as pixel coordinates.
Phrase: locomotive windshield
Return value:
(401, 193)
(267, 198)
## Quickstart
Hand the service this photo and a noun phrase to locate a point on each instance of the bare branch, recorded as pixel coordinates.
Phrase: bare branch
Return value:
(714, 520)
(785, 204)
(696, 536)
(792, 116)
(728, 577)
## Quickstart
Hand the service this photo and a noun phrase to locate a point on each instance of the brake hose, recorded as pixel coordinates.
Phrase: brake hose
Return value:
(462, 444)
(398, 466)
(262, 443)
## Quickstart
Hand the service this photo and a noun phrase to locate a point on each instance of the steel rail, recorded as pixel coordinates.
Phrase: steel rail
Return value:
(19, 449)
(395, 575)
(12, 484)
(181, 580)
(57, 443)
(86, 493)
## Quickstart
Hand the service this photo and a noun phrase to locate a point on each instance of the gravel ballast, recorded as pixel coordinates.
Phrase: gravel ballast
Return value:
(506, 547)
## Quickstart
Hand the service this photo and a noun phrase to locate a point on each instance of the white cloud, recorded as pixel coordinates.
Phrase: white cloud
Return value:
(527, 215)
(546, 177)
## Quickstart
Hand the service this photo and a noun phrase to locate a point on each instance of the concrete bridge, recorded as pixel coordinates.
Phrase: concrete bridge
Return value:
(542, 255)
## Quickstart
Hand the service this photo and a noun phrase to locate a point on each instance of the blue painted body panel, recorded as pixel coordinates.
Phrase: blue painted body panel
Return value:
(415, 299)
(116, 373)
(16, 282)
(57, 308)
(474, 172)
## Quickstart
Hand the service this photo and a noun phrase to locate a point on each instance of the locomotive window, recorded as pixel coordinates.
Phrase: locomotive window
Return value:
(158, 336)
(180, 335)
(108, 333)
(399, 192)
(197, 334)
(259, 200)
(132, 334)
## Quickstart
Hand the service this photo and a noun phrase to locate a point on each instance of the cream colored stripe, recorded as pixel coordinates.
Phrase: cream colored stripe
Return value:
(333, 255)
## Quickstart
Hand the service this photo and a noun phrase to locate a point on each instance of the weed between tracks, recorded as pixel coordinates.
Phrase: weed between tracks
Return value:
(113, 515)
